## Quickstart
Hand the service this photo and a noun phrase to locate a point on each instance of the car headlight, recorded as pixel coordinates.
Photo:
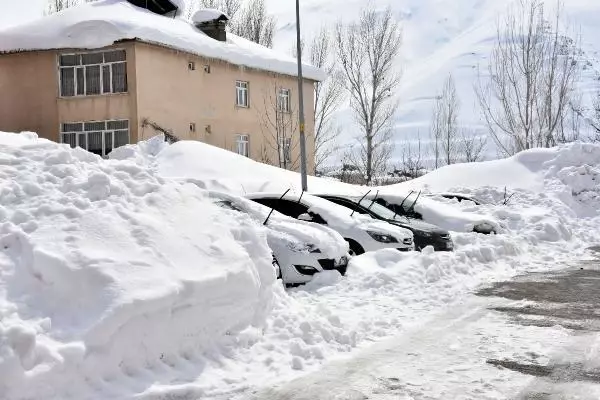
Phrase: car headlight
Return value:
(304, 248)
(382, 237)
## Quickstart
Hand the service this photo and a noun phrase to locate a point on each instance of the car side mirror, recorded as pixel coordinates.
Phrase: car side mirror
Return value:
(305, 217)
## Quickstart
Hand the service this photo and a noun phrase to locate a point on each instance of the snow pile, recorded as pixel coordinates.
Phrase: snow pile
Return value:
(207, 15)
(105, 22)
(569, 174)
(110, 275)
(223, 170)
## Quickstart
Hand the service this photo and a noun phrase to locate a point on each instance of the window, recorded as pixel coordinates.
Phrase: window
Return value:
(291, 208)
(192, 127)
(89, 74)
(241, 91)
(192, 66)
(242, 143)
(283, 100)
(98, 137)
(285, 151)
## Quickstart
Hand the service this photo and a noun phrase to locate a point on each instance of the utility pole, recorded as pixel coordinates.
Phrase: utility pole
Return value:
(301, 101)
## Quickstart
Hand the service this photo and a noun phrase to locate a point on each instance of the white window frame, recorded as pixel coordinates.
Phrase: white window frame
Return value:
(284, 100)
(104, 132)
(285, 151)
(84, 67)
(242, 94)
(242, 144)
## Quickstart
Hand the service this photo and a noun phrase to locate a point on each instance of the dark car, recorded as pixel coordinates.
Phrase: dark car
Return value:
(424, 234)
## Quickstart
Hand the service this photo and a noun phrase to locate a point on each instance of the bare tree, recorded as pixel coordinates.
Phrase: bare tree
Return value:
(328, 96)
(411, 165)
(435, 132)
(255, 24)
(367, 50)
(472, 146)
(595, 120)
(54, 6)
(450, 107)
(531, 75)
(279, 123)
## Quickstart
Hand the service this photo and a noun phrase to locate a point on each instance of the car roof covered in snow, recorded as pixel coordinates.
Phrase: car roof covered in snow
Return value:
(105, 22)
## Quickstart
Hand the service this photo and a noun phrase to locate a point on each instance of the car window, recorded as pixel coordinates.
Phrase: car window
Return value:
(378, 209)
(291, 208)
(286, 207)
(347, 203)
(317, 219)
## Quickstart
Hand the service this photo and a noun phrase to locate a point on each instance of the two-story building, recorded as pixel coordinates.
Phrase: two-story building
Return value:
(113, 72)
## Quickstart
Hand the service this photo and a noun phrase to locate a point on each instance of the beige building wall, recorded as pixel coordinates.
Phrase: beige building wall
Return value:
(163, 90)
(30, 97)
(173, 96)
(106, 106)
(28, 92)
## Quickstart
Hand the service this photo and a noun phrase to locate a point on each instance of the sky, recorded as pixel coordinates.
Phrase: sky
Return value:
(13, 12)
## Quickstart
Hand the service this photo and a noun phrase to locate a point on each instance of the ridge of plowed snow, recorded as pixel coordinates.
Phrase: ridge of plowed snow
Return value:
(108, 271)
(117, 281)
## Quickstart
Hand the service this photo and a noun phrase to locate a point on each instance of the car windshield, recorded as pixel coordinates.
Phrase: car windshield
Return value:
(378, 209)
(408, 201)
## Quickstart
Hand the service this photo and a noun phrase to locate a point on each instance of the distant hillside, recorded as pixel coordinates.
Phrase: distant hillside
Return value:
(441, 37)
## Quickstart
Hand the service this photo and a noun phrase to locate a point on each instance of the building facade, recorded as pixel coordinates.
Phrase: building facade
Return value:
(132, 90)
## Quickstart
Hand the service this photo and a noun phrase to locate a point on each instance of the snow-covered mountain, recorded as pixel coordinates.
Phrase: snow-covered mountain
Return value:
(441, 37)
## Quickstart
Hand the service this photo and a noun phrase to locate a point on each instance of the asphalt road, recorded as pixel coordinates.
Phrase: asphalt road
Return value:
(569, 298)
(535, 337)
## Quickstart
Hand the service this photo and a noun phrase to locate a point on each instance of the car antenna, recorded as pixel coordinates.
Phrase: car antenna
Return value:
(300, 198)
(415, 202)
(273, 208)
(373, 200)
(401, 204)
(361, 199)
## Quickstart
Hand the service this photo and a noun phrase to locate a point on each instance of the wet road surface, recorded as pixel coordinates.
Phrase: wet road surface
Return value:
(535, 337)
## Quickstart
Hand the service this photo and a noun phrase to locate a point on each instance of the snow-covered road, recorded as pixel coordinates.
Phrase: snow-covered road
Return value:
(480, 347)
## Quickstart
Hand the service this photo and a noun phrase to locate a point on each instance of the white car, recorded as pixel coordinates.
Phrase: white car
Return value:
(300, 248)
(426, 208)
(362, 232)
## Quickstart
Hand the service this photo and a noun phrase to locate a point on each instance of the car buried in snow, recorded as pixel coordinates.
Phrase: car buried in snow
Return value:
(362, 232)
(417, 206)
(300, 249)
(424, 234)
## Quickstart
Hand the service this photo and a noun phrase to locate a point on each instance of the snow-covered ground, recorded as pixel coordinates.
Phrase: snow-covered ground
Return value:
(118, 280)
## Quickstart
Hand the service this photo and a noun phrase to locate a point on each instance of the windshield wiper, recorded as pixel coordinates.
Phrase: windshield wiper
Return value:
(412, 207)
(402, 204)
(373, 200)
(273, 208)
(361, 199)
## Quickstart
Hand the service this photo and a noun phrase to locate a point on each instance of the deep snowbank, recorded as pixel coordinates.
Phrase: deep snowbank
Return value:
(108, 271)
(119, 281)
(385, 292)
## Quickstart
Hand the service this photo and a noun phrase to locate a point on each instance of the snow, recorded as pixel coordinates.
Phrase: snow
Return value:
(102, 23)
(107, 270)
(207, 15)
(120, 279)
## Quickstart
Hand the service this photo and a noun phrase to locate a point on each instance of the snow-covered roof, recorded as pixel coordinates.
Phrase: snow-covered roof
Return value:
(102, 23)
(207, 15)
